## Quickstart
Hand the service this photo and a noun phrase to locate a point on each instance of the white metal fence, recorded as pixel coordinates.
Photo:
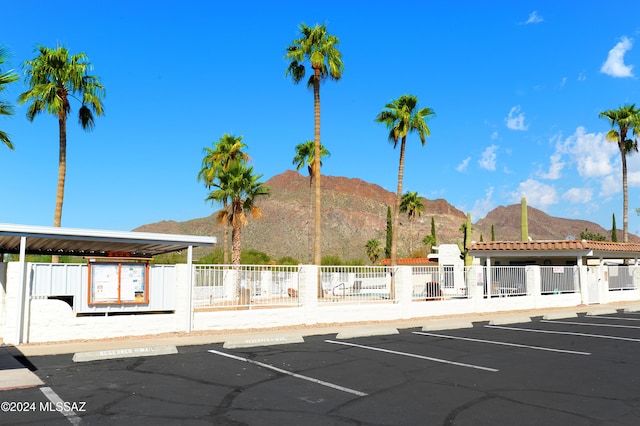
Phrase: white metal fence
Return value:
(439, 282)
(252, 286)
(559, 279)
(621, 277)
(506, 281)
(355, 284)
(256, 286)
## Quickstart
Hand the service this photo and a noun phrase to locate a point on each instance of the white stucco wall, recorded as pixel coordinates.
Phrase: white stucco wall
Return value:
(48, 320)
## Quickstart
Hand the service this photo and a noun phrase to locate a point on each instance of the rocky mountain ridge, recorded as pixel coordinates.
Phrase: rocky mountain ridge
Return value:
(355, 211)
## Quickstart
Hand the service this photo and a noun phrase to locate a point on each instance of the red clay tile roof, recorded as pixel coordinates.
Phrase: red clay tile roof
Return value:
(556, 245)
(410, 261)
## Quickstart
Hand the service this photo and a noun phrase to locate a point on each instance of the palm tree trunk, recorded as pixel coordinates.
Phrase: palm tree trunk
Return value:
(317, 232)
(410, 237)
(62, 172)
(625, 200)
(225, 238)
(309, 220)
(235, 243)
(244, 296)
(225, 244)
(396, 218)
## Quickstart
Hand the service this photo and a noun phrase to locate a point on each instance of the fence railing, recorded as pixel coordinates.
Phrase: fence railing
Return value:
(248, 286)
(355, 284)
(559, 279)
(506, 281)
(439, 282)
(258, 286)
(621, 276)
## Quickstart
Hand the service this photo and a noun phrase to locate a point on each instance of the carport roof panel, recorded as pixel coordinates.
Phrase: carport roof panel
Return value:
(92, 242)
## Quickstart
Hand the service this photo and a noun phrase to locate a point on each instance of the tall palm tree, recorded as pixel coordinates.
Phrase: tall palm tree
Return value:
(412, 205)
(216, 160)
(402, 116)
(239, 187)
(627, 118)
(5, 107)
(305, 154)
(55, 77)
(320, 49)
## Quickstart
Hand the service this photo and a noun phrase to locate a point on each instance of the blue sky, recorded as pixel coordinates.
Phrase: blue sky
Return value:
(516, 87)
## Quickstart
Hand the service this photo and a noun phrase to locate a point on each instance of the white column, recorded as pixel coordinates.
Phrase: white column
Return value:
(584, 280)
(488, 266)
(533, 277)
(22, 287)
(308, 292)
(404, 289)
(190, 290)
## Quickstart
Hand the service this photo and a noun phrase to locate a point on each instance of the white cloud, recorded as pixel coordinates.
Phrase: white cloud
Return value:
(610, 185)
(538, 194)
(515, 119)
(582, 76)
(484, 206)
(593, 155)
(578, 195)
(463, 166)
(555, 168)
(633, 178)
(534, 18)
(488, 159)
(494, 135)
(614, 65)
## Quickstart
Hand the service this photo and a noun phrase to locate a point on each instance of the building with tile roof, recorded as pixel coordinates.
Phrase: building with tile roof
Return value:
(553, 252)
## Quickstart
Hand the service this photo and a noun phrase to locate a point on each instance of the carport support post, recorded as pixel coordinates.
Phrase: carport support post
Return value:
(190, 291)
(22, 277)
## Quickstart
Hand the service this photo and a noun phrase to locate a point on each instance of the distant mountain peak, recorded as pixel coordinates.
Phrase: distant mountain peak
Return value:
(355, 211)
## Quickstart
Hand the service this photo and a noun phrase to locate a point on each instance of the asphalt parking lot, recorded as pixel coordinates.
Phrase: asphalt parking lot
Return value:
(569, 371)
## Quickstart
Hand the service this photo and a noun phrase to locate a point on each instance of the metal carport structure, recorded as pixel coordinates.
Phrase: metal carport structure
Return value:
(28, 239)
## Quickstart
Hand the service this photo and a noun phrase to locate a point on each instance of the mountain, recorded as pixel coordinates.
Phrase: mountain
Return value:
(355, 211)
(506, 223)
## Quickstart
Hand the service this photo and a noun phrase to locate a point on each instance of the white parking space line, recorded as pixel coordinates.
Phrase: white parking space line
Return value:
(292, 374)
(493, 342)
(567, 333)
(71, 415)
(444, 361)
(615, 318)
(594, 324)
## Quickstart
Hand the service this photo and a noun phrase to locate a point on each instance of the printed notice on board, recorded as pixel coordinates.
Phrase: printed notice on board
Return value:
(132, 283)
(105, 283)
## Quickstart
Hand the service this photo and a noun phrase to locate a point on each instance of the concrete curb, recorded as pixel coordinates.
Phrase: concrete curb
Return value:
(252, 341)
(509, 320)
(446, 324)
(602, 312)
(124, 353)
(14, 375)
(560, 315)
(18, 378)
(368, 331)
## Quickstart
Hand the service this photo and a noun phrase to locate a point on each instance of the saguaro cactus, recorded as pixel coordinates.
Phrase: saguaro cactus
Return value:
(466, 230)
(524, 220)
